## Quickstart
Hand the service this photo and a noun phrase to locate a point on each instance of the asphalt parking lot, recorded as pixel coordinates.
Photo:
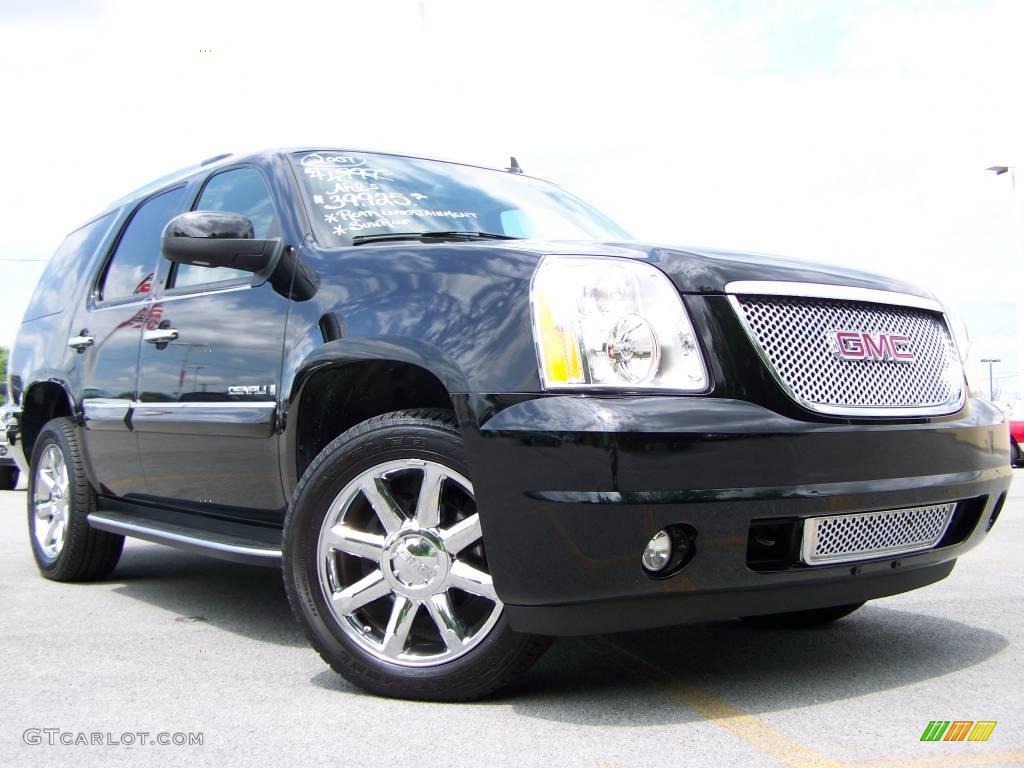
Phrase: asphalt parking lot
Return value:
(176, 643)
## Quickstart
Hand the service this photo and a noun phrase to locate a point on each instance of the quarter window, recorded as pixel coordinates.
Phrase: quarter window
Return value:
(241, 191)
(57, 285)
(130, 271)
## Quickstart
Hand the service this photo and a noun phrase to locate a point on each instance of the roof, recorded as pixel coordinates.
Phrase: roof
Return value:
(217, 161)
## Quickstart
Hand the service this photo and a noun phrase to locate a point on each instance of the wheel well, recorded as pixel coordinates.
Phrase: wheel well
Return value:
(338, 398)
(42, 402)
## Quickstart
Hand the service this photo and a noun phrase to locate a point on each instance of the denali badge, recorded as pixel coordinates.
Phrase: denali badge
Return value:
(253, 389)
(863, 345)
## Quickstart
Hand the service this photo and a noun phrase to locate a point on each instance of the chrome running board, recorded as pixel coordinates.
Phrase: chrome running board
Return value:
(215, 544)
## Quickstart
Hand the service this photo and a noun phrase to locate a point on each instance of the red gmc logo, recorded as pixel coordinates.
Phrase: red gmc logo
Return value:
(863, 345)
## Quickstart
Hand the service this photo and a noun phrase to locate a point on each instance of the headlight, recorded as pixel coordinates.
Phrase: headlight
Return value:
(963, 346)
(612, 323)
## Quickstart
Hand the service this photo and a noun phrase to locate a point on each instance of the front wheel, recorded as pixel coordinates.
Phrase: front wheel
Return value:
(816, 617)
(385, 566)
(1016, 454)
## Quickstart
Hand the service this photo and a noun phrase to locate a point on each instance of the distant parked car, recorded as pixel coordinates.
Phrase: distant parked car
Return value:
(1016, 441)
(8, 467)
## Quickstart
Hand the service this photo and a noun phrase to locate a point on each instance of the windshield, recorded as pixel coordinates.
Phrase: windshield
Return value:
(353, 194)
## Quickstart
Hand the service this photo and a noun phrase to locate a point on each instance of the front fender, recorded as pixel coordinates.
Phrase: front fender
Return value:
(461, 311)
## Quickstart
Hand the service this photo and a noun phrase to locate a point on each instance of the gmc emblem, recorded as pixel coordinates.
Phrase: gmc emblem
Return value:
(863, 345)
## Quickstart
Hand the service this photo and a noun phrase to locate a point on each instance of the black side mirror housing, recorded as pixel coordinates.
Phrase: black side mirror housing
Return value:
(218, 239)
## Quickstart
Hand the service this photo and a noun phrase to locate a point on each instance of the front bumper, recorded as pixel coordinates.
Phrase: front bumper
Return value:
(572, 487)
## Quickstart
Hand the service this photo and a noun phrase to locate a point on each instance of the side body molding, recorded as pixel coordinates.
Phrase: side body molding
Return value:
(107, 413)
(227, 418)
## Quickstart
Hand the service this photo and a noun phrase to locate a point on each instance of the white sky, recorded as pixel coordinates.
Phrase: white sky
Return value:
(854, 132)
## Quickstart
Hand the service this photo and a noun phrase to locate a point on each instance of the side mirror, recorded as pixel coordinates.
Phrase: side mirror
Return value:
(217, 239)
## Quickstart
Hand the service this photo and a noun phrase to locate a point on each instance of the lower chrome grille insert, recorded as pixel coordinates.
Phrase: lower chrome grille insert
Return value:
(867, 535)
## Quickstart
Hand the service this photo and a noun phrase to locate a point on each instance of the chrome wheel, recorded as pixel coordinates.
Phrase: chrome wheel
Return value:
(51, 500)
(402, 566)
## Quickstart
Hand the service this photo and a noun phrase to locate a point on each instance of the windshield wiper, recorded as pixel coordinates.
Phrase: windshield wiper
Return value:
(428, 236)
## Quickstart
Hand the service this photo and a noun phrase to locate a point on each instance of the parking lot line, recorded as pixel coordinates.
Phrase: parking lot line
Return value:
(750, 729)
(787, 750)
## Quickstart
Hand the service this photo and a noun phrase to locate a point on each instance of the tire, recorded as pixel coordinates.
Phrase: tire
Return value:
(8, 478)
(816, 617)
(59, 501)
(1016, 455)
(411, 628)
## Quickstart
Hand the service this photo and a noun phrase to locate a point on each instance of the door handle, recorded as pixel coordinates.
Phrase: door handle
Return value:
(160, 336)
(80, 342)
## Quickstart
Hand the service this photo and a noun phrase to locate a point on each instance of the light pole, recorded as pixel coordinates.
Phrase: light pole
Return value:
(1018, 268)
(991, 361)
(999, 170)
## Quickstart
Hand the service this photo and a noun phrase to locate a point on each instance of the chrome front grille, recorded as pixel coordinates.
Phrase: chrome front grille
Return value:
(796, 337)
(846, 538)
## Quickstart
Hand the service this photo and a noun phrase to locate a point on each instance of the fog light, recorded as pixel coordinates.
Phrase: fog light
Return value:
(658, 552)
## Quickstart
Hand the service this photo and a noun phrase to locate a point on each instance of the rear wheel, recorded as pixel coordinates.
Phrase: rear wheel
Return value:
(385, 566)
(60, 499)
(816, 617)
(1016, 454)
(8, 478)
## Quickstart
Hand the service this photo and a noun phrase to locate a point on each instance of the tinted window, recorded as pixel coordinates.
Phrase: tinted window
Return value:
(241, 191)
(130, 272)
(62, 276)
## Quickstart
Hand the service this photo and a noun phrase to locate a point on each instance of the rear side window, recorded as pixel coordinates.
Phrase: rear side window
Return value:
(241, 191)
(62, 277)
(130, 271)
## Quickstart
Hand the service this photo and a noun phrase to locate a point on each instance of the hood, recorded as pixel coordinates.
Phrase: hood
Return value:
(693, 270)
(705, 270)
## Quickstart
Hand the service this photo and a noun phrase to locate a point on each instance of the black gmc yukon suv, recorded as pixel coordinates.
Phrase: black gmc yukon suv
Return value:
(464, 412)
